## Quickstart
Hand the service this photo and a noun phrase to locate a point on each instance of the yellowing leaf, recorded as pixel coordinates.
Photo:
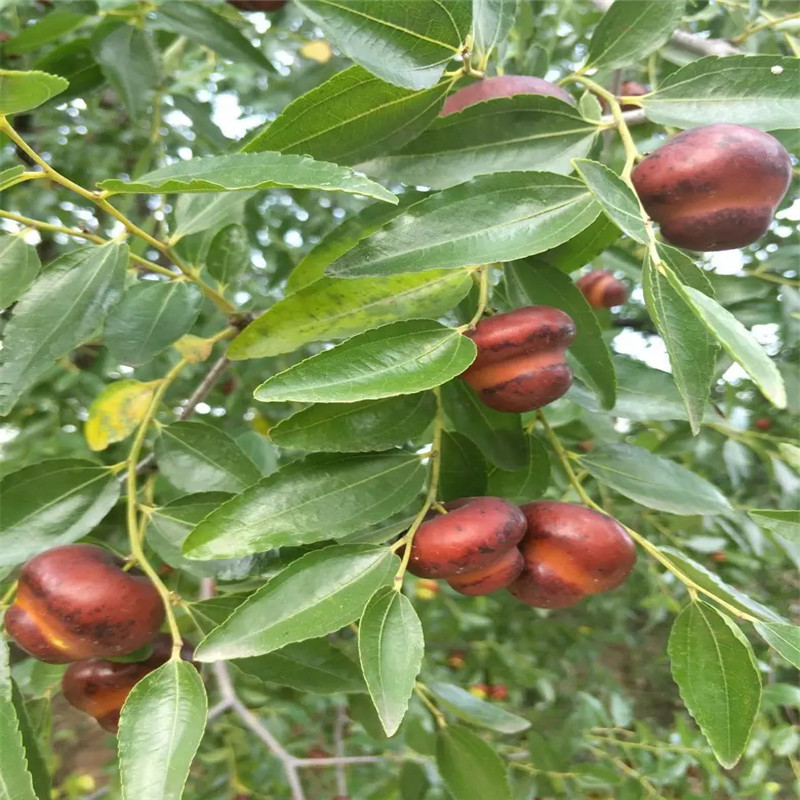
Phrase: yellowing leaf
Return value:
(194, 349)
(318, 50)
(116, 411)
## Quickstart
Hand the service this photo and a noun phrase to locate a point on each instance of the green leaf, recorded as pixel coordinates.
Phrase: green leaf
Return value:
(629, 32)
(10, 177)
(63, 307)
(19, 265)
(785, 523)
(408, 44)
(74, 62)
(228, 254)
(653, 481)
(349, 118)
(16, 782)
(584, 247)
(466, 706)
(692, 350)
(506, 134)
(160, 728)
(399, 358)
(708, 580)
(499, 436)
(462, 468)
(390, 646)
(343, 237)
(36, 763)
(331, 308)
(492, 21)
(543, 285)
(52, 503)
(130, 62)
(203, 25)
(759, 91)
(321, 497)
(202, 212)
(470, 768)
(512, 215)
(715, 669)
(149, 318)
(356, 427)
(249, 171)
(737, 341)
(48, 29)
(526, 484)
(783, 638)
(22, 91)
(615, 196)
(319, 593)
(197, 457)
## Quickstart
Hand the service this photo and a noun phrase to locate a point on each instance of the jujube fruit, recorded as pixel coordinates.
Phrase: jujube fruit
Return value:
(75, 602)
(99, 687)
(631, 89)
(498, 691)
(521, 358)
(258, 5)
(715, 187)
(570, 551)
(475, 534)
(492, 578)
(763, 423)
(601, 289)
(501, 86)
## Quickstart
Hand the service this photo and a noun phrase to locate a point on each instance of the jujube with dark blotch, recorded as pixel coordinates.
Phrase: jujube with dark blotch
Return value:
(258, 5)
(75, 602)
(601, 289)
(473, 546)
(521, 358)
(715, 187)
(570, 551)
(501, 86)
(99, 687)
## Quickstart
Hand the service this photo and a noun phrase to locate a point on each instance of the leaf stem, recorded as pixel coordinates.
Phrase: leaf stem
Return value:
(422, 692)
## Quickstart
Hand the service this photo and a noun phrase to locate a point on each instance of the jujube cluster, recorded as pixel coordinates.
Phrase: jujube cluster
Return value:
(601, 289)
(501, 86)
(548, 554)
(715, 187)
(521, 362)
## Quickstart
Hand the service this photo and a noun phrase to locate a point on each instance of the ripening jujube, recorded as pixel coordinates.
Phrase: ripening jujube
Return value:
(521, 363)
(715, 187)
(601, 289)
(75, 602)
(501, 86)
(570, 551)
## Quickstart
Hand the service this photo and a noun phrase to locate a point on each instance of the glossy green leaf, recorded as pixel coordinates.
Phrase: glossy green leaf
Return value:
(349, 118)
(408, 44)
(615, 196)
(10, 177)
(698, 574)
(499, 436)
(759, 91)
(228, 254)
(469, 766)
(129, 60)
(478, 712)
(785, 523)
(492, 21)
(356, 427)
(22, 91)
(195, 213)
(629, 32)
(390, 646)
(715, 669)
(36, 764)
(462, 468)
(543, 285)
(692, 350)
(512, 215)
(526, 484)
(161, 725)
(197, 457)
(331, 308)
(48, 28)
(582, 248)
(63, 307)
(321, 497)
(19, 265)
(507, 134)
(319, 593)
(737, 341)
(202, 24)
(783, 638)
(399, 358)
(52, 503)
(249, 171)
(149, 318)
(689, 272)
(653, 481)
